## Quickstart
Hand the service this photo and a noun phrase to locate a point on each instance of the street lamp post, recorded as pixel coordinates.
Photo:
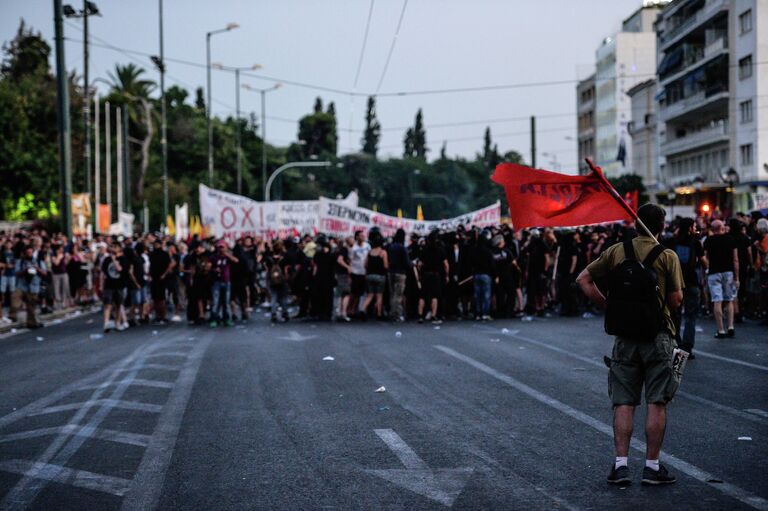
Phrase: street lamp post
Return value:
(89, 9)
(230, 26)
(290, 166)
(160, 64)
(263, 93)
(65, 143)
(238, 138)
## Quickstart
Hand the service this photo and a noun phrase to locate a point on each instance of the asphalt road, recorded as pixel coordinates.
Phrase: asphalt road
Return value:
(499, 415)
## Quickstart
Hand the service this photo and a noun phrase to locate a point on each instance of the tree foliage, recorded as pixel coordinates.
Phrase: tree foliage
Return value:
(372, 132)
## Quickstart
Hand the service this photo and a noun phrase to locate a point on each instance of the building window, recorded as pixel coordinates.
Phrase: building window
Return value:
(745, 21)
(746, 111)
(746, 154)
(745, 67)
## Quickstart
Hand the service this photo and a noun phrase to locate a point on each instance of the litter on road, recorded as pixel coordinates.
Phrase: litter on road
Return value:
(39, 338)
(437, 328)
(495, 340)
(329, 359)
(96, 336)
(398, 334)
(505, 330)
(381, 389)
(746, 438)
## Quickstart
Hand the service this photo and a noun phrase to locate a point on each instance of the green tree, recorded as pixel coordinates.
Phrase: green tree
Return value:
(317, 132)
(629, 183)
(372, 132)
(419, 136)
(131, 90)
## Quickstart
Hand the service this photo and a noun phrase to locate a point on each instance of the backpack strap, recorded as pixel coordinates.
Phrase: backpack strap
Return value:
(653, 255)
(629, 251)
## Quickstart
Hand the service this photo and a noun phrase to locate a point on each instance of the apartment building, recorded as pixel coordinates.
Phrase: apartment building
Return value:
(585, 108)
(622, 61)
(712, 98)
(644, 132)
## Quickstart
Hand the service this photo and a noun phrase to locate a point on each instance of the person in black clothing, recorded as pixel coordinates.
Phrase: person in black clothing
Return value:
(455, 253)
(195, 272)
(504, 285)
(114, 268)
(342, 271)
(484, 272)
(239, 280)
(744, 250)
(399, 266)
(722, 256)
(567, 270)
(538, 259)
(434, 271)
(691, 254)
(322, 280)
(160, 265)
(376, 265)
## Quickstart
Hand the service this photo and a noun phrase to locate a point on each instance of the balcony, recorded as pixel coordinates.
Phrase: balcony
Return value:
(711, 100)
(695, 59)
(716, 47)
(708, 136)
(712, 7)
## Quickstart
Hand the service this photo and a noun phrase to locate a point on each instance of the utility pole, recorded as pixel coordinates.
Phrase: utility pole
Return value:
(163, 120)
(264, 140)
(533, 141)
(108, 151)
(237, 134)
(119, 155)
(65, 143)
(126, 161)
(86, 102)
(97, 167)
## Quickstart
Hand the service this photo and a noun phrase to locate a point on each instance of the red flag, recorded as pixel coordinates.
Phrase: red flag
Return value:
(540, 198)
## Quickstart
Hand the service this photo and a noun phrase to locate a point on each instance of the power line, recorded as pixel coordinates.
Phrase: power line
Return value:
(365, 41)
(391, 47)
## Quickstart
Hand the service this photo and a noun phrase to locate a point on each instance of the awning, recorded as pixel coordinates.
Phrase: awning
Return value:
(670, 61)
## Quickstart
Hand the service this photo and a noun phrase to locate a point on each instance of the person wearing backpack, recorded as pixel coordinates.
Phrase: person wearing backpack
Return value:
(691, 254)
(643, 283)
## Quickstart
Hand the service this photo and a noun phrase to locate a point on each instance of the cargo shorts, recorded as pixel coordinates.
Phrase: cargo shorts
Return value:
(636, 364)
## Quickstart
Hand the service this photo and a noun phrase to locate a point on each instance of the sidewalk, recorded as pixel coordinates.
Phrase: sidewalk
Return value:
(48, 319)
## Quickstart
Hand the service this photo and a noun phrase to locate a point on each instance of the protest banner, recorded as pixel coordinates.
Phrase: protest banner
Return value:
(340, 219)
(230, 216)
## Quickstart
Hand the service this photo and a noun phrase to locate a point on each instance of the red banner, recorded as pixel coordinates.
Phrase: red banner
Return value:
(540, 198)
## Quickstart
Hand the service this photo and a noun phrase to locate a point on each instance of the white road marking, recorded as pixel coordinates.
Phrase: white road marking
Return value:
(164, 367)
(168, 354)
(137, 382)
(113, 403)
(58, 474)
(681, 465)
(680, 393)
(756, 411)
(148, 482)
(731, 360)
(123, 437)
(440, 485)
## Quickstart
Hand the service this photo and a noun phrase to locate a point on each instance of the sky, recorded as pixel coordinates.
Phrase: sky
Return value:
(441, 44)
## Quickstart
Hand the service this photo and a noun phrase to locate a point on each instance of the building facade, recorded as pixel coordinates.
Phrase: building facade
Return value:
(622, 61)
(712, 98)
(644, 133)
(585, 135)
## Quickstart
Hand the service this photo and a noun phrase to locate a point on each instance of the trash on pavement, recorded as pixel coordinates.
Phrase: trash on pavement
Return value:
(330, 359)
(383, 408)
(587, 315)
(714, 480)
(154, 332)
(746, 438)
(96, 336)
(437, 328)
(527, 318)
(13, 330)
(41, 338)
(699, 329)
(381, 389)
(495, 340)
(505, 330)
(398, 334)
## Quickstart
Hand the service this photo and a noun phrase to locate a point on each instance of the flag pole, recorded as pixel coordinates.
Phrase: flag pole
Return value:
(618, 198)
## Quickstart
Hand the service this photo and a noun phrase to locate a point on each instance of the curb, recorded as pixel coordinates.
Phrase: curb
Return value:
(47, 319)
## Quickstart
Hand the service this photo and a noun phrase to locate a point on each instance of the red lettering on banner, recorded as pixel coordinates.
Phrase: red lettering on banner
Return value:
(246, 216)
(234, 217)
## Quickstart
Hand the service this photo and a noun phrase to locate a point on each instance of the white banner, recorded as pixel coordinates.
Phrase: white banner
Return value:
(124, 225)
(182, 221)
(230, 216)
(760, 200)
(340, 219)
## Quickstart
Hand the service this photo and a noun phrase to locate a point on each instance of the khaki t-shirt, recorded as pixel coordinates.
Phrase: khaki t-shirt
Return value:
(667, 267)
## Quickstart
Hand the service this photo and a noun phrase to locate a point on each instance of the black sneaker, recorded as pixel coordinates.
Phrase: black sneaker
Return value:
(731, 332)
(720, 335)
(619, 475)
(656, 477)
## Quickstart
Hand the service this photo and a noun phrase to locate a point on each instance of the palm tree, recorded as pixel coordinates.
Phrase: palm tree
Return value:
(129, 87)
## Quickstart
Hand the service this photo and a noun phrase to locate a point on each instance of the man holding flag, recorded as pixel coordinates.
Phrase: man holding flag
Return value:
(644, 284)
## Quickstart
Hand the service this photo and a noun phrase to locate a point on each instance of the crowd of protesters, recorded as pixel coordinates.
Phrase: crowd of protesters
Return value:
(469, 273)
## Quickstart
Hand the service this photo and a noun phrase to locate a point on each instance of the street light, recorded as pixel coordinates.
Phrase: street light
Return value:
(671, 196)
(230, 26)
(263, 93)
(289, 166)
(89, 9)
(217, 65)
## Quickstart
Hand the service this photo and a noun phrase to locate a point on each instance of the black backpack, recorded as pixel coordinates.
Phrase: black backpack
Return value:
(634, 310)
